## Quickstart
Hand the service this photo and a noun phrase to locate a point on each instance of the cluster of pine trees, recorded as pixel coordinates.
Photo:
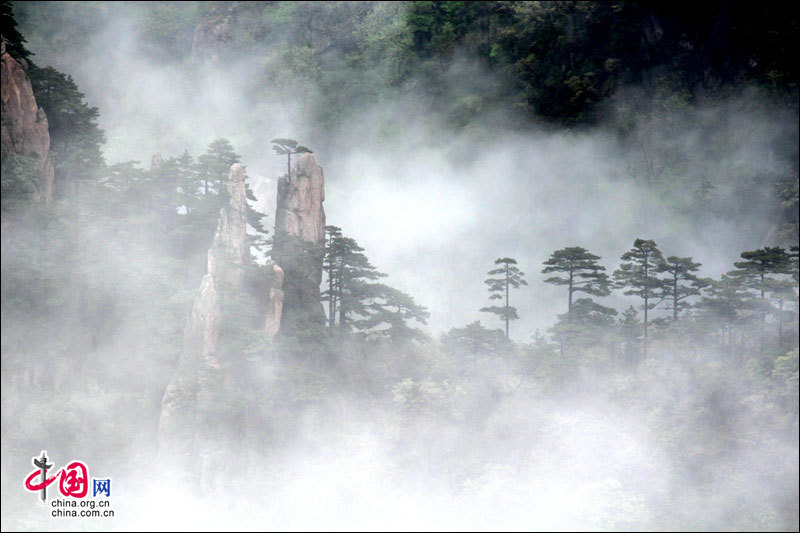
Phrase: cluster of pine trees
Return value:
(750, 309)
(356, 302)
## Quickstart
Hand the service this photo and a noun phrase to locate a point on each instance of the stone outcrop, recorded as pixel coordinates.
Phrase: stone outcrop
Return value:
(272, 324)
(24, 128)
(230, 250)
(199, 370)
(212, 34)
(179, 407)
(299, 241)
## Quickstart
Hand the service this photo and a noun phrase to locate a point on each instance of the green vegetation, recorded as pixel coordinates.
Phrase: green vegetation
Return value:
(581, 272)
(500, 281)
(288, 147)
(637, 275)
(75, 138)
(106, 276)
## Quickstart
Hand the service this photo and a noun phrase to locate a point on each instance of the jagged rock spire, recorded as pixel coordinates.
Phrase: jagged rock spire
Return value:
(180, 425)
(231, 249)
(299, 241)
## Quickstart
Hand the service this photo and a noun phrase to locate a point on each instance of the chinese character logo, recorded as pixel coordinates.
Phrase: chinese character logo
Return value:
(101, 486)
(43, 467)
(73, 480)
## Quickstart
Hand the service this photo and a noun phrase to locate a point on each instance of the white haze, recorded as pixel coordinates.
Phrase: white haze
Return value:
(433, 209)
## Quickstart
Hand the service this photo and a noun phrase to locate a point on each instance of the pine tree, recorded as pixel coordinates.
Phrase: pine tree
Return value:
(757, 273)
(393, 309)
(182, 170)
(474, 339)
(629, 327)
(499, 282)
(781, 291)
(360, 303)
(637, 275)
(288, 147)
(15, 42)
(213, 166)
(761, 263)
(681, 282)
(726, 306)
(585, 326)
(200, 191)
(20, 176)
(581, 273)
(353, 274)
(75, 137)
(331, 265)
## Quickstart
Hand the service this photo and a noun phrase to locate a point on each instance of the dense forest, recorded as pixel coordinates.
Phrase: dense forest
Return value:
(554, 284)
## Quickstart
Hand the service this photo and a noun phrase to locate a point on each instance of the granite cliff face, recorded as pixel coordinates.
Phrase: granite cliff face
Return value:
(299, 242)
(200, 375)
(24, 128)
(213, 33)
(177, 427)
(293, 301)
(272, 323)
(230, 250)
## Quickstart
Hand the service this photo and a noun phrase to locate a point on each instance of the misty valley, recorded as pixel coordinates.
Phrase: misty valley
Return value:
(399, 266)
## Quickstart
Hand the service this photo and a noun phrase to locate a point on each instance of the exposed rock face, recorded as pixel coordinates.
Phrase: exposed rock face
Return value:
(230, 250)
(299, 241)
(24, 125)
(272, 324)
(191, 389)
(212, 34)
(299, 212)
(177, 425)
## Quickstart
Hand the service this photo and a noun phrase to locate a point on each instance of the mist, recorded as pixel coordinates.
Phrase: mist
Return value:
(419, 436)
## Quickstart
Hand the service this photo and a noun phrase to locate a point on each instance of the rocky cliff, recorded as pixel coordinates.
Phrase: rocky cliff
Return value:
(299, 243)
(200, 375)
(213, 33)
(24, 128)
(230, 250)
(272, 323)
(178, 425)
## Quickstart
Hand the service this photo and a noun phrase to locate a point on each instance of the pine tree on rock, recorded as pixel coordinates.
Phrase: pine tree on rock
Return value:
(637, 275)
(499, 282)
(288, 147)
